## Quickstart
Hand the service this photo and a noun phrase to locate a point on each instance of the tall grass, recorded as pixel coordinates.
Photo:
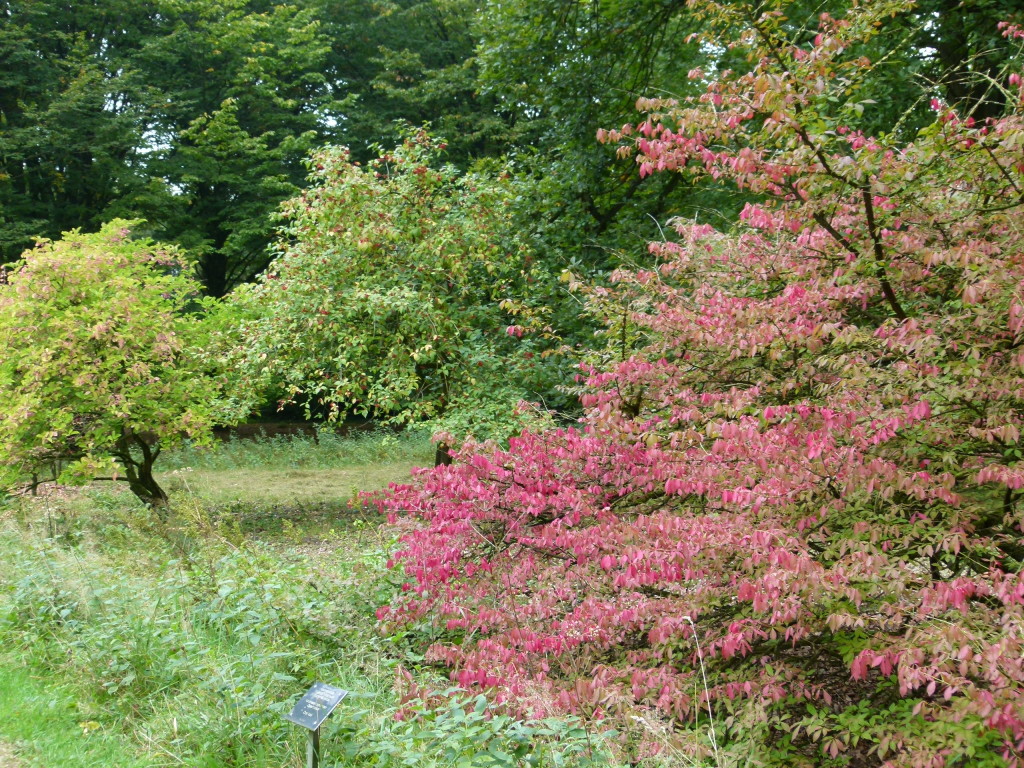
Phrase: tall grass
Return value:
(40, 725)
(192, 642)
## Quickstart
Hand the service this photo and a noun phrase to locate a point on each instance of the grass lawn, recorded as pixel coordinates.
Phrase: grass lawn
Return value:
(296, 487)
(298, 471)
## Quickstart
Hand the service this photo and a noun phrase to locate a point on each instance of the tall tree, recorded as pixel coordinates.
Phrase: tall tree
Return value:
(237, 98)
(412, 61)
(71, 132)
(196, 115)
(395, 294)
(562, 69)
(959, 45)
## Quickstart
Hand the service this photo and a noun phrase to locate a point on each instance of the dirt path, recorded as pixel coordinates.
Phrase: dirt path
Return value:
(7, 758)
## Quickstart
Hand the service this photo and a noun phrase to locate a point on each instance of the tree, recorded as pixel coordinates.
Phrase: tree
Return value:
(395, 293)
(71, 133)
(237, 98)
(790, 523)
(197, 116)
(958, 47)
(103, 365)
(558, 70)
(412, 62)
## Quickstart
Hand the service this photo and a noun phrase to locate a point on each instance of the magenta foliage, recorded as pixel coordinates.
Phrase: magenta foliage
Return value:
(811, 465)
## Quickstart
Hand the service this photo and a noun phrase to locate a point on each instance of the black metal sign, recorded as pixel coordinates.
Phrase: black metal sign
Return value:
(314, 707)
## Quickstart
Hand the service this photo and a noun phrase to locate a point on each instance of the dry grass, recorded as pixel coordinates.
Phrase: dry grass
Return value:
(7, 757)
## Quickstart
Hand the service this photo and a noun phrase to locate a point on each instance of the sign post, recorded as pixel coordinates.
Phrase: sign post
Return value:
(311, 711)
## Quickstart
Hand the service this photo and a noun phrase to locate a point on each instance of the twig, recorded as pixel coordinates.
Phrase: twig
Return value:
(707, 692)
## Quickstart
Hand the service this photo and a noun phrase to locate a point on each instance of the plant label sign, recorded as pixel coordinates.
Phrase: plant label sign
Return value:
(314, 707)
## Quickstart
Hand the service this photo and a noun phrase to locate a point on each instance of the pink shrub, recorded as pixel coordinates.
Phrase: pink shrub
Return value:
(812, 465)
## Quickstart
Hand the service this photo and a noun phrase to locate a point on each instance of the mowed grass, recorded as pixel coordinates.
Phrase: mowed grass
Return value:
(292, 487)
(294, 470)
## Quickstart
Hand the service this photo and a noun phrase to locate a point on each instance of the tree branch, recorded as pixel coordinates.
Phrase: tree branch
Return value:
(890, 294)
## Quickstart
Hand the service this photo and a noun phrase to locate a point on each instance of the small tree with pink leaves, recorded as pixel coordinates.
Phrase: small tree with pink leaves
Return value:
(788, 530)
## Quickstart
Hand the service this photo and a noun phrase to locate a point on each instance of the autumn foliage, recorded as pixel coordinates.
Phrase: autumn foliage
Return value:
(793, 508)
(105, 361)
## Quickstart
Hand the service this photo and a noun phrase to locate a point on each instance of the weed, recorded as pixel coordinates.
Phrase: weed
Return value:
(190, 640)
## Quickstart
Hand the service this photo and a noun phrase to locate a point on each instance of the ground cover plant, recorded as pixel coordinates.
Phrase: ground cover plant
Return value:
(787, 531)
(183, 640)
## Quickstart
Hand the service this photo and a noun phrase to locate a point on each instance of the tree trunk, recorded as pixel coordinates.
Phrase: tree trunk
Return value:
(140, 471)
(145, 486)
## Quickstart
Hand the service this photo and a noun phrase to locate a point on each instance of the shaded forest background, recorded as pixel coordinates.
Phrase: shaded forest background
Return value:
(199, 116)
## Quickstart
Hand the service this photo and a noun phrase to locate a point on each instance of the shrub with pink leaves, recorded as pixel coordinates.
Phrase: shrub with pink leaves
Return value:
(789, 530)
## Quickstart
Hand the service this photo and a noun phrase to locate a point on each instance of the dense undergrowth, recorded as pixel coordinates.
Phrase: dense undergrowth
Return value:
(192, 638)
